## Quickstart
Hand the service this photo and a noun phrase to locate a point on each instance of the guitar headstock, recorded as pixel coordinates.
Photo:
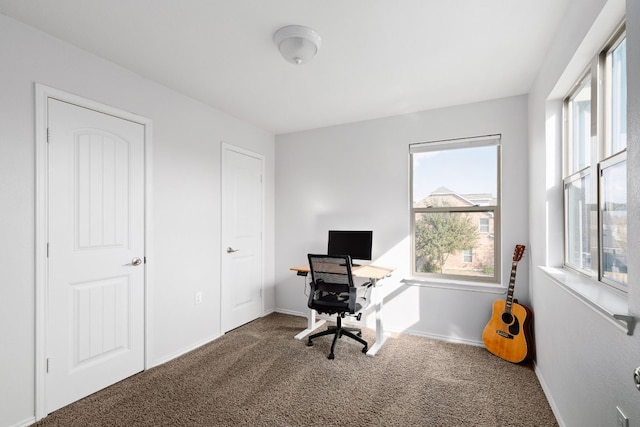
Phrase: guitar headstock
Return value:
(518, 252)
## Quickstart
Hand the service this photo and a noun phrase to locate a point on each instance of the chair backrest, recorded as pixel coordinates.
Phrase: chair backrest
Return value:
(334, 269)
(330, 277)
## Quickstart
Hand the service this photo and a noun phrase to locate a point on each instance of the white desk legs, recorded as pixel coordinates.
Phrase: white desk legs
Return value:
(312, 324)
(380, 335)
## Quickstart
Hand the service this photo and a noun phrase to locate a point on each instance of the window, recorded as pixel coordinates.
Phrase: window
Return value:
(595, 168)
(455, 208)
(484, 225)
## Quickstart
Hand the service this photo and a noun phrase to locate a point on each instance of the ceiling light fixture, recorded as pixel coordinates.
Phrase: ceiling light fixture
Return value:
(297, 44)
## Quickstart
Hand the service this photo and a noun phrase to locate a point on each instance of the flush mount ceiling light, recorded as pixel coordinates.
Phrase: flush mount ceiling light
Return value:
(297, 44)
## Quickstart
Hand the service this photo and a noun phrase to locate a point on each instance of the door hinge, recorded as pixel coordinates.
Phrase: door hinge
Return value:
(48, 365)
(47, 249)
(48, 135)
(145, 259)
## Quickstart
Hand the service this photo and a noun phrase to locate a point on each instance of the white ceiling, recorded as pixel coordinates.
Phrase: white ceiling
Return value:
(378, 58)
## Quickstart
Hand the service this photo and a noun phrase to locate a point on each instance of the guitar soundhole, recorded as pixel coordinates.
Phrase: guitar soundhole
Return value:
(515, 328)
(507, 318)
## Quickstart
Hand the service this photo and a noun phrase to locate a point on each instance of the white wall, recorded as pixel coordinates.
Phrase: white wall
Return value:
(186, 201)
(584, 362)
(355, 176)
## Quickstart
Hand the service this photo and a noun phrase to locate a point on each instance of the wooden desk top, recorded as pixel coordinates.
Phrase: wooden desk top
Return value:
(362, 271)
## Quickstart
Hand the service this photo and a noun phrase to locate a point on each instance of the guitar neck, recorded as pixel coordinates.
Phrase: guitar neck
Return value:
(512, 285)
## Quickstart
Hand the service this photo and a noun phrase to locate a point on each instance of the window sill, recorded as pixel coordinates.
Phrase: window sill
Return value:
(458, 285)
(610, 304)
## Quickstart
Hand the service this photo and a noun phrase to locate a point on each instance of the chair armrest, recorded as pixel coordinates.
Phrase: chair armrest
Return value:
(353, 297)
(312, 292)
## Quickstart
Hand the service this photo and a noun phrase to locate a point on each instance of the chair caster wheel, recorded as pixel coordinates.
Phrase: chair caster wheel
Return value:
(309, 344)
(330, 356)
(364, 350)
(359, 334)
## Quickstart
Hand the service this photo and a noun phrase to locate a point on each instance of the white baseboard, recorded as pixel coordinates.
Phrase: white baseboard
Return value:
(200, 344)
(24, 423)
(456, 340)
(181, 352)
(547, 393)
(291, 312)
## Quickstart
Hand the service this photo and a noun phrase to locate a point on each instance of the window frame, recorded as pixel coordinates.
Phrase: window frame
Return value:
(600, 147)
(494, 210)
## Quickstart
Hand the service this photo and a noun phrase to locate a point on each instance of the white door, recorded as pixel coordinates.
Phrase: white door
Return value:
(95, 307)
(241, 237)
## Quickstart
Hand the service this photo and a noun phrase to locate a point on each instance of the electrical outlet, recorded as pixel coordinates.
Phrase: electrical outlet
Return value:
(622, 420)
(198, 297)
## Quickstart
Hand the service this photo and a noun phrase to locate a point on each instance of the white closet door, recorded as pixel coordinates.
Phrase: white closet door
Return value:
(242, 194)
(95, 324)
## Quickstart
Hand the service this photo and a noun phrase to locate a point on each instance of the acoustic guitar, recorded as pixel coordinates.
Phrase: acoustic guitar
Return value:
(507, 335)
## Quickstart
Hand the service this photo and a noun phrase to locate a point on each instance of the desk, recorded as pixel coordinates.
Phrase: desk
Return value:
(371, 272)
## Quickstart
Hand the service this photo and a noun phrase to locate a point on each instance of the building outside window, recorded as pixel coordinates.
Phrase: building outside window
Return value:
(595, 168)
(455, 208)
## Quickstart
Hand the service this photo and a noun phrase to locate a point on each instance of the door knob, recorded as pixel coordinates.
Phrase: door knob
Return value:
(230, 250)
(136, 261)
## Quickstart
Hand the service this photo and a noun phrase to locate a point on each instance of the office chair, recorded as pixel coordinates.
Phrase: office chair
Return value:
(333, 292)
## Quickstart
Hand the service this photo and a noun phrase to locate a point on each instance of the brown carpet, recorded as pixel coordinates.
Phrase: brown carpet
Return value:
(258, 375)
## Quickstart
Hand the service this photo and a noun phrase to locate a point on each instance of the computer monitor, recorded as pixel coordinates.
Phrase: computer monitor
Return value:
(356, 244)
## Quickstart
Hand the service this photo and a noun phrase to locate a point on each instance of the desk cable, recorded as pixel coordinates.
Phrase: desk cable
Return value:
(307, 284)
